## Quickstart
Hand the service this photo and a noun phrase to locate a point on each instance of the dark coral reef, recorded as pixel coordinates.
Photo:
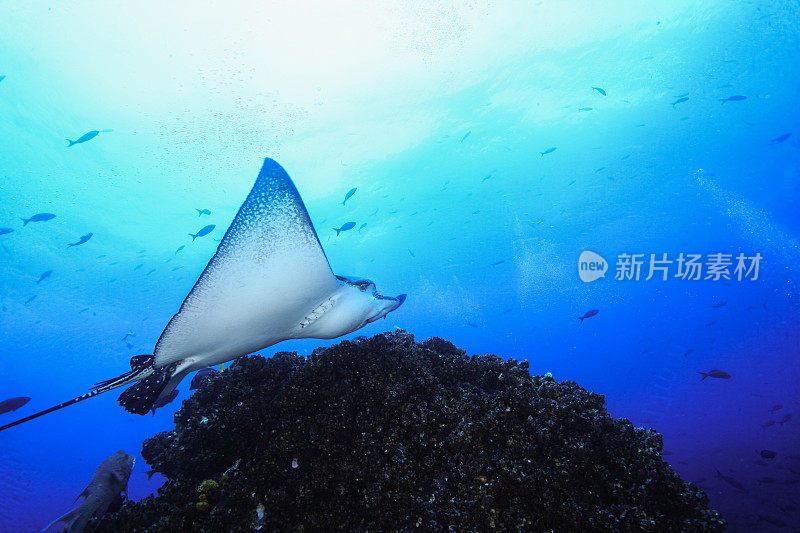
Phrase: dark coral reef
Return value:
(386, 434)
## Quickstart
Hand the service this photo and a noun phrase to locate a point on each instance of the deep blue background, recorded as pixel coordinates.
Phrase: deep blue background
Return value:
(380, 98)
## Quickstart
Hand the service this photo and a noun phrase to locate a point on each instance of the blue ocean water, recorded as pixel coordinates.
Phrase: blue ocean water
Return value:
(489, 145)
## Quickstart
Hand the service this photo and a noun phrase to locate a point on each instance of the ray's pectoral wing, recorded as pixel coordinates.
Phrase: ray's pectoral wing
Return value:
(269, 269)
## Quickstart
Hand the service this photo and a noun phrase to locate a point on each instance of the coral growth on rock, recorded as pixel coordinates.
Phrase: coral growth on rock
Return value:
(386, 434)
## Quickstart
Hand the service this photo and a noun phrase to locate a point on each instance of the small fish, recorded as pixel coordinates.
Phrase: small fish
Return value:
(350, 193)
(684, 95)
(161, 402)
(346, 226)
(374, 212)
(472, 324)
(711, 323)
(137, 267)
(201, 212)
(719, 374)
(12, 404)
(500, 262)
(44, 276)
(464, 138)
(730, 481)
(690, 351)
(548, 151)
(129, 334)
(40, 217)
(585, 109)
(588, 314)
(785, 419)
(32, 298)
(768, 454)
(181, 247)
(2, 78)
(109, 480)
(203, 231)
(82, 240)
(411, 253)
(779, 139)
(599, 169)
(4, 231)
(768, 423)
(776, 408)
(362, 226)
(734, 98)
(200, 377)
(598, 89)
(725, 86)
(149, 474)
(88, 136)
(571, 183)
(719, 304)
(679, 100)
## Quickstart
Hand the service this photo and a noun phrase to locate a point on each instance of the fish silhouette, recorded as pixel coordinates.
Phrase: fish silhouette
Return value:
(346, 226)
(40, 217)
(203, 231)
(350, 193)
(82, 240)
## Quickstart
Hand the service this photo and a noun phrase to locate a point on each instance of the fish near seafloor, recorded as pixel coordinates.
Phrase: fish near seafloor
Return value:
(12, 404)
(730, 481)
(246, 300)
(205, 230)
(162, 401)
(108, 482)
(200, 377)
(719, 374)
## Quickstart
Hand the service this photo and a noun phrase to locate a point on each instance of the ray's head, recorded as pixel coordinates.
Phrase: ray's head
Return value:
(356, 304)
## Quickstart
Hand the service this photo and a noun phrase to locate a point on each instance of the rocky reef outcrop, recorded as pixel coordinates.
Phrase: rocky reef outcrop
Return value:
(388, 434)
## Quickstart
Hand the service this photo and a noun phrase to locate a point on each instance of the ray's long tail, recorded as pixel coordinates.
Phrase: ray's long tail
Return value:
(141, 368)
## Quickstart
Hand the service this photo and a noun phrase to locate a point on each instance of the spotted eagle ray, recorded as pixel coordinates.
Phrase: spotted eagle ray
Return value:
(269, 281)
